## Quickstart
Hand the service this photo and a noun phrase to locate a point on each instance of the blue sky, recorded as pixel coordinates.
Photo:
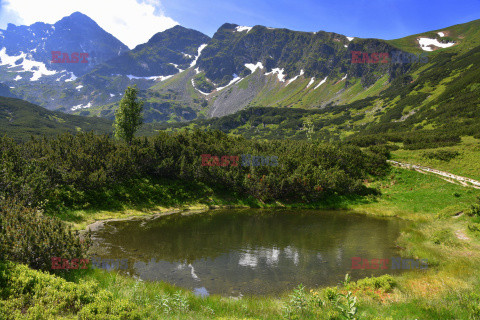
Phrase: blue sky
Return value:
(386, 19)
(135, 21)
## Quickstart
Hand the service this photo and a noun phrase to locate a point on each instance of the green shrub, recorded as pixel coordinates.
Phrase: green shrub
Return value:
(32, 294)
(330, 293)
(348, 309)
(474, 228)
(474, 210)
(76, 171)
(27, 236)
(301, 304)
(384, 283)
(442, 155)
(444, 236)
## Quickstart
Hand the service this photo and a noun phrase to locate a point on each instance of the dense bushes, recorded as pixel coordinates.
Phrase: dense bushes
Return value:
(31, 294)
(430, 139)
(474, 210)
(442, 155)
(69, 170)
(31, 238)
(412, 140)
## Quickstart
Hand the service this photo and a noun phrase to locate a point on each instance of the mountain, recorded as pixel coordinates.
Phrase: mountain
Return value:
(34, 44)
(259, 66)
(433, 104)
(256, 64)
(20, 120)
(26, 59)
(26, 62)
(5, 91)
(184, 75)
(165, 54)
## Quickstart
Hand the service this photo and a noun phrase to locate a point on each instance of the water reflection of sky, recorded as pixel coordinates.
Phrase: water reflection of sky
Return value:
(244, 271)
(251, 256)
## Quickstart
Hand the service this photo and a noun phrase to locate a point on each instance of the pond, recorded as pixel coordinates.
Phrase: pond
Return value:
(245, 252)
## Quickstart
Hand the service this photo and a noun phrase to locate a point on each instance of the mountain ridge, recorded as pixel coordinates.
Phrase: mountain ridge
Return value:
(184, 75)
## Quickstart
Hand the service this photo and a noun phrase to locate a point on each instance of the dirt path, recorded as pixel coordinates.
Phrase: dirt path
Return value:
(466, 182)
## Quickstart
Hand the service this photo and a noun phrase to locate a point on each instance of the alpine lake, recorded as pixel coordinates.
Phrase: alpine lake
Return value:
(235, 252)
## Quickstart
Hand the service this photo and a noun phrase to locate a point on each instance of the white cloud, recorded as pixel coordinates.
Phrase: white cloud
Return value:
(131, 22)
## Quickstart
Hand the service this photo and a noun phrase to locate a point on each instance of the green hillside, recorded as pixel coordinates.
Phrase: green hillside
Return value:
(20, 120)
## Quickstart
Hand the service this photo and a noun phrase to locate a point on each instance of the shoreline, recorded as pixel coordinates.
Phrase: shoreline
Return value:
(152, 215)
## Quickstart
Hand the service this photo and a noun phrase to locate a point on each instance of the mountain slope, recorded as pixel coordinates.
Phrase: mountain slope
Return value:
(182, 79)
(164, 54)
(5, 91)
(261, 66)
(20, 120)
(26, 66)
(75, 33)
(281, 68)
(432, 106)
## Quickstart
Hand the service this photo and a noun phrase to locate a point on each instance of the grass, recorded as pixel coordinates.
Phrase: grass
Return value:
(467, 164)
(147, 295)
(413, 195)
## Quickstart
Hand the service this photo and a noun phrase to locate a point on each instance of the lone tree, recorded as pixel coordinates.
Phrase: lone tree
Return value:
(128, 116)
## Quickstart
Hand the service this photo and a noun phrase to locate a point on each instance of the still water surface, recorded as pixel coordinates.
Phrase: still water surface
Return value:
(244, 252)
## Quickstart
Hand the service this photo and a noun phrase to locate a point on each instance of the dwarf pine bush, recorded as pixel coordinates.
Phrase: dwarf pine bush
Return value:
(32, 294)
(27, 236)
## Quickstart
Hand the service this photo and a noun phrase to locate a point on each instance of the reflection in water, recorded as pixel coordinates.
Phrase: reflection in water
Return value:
(202, 292)
(235, 252)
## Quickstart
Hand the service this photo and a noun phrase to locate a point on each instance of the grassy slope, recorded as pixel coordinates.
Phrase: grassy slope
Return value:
(467, 164)
(469, 31)
(20, 120)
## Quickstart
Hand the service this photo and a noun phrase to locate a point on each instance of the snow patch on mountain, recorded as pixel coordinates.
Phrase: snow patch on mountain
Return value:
(311, 82)
(161, 78)
(72, 77)
(254, 67)
(235, 79)
(81, 106)
(243, 28)
(296, 77)
(37, 68)
(279, 72)
(204, 93)
(350, 38)
(17, 78)
(176, 66)
(441, 34)
(200, 49)
(320, 83)
(344, 77)
(426, 43)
